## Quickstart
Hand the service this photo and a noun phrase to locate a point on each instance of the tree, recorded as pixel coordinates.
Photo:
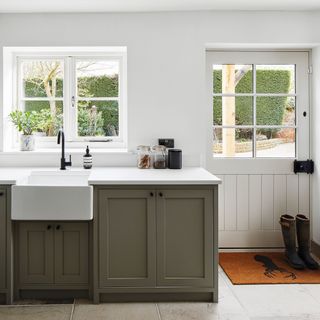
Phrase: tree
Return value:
(230, 79)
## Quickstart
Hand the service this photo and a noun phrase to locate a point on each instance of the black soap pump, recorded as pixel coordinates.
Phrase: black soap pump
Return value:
(87, 159)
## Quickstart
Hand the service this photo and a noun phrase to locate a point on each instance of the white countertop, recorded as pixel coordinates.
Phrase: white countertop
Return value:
(124, 176)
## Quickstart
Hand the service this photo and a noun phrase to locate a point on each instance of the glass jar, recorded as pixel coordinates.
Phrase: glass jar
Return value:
(159, 157)
(144, 157)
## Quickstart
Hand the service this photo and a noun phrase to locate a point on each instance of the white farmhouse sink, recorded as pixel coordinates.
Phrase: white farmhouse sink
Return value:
(53, 195)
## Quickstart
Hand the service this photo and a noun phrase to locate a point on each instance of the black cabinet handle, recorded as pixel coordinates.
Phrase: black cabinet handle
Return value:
(58, 227)
(160, 194)
(1, 193)
(151, 194)
(49, 227)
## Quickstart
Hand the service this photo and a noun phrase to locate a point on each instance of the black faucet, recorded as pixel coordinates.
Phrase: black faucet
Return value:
(63, 162)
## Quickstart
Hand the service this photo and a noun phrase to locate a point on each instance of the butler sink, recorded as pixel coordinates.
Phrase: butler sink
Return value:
(53, 195)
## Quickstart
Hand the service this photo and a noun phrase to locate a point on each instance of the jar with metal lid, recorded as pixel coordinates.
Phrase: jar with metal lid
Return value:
(144, 157)
(159, 157)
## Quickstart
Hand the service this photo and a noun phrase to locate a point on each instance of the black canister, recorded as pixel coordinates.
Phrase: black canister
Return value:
(175, 159)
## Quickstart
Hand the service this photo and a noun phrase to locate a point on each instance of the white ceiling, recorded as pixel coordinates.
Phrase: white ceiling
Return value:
(152, 5)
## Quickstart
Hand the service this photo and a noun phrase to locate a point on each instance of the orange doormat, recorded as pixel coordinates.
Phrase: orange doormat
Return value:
(263, 268)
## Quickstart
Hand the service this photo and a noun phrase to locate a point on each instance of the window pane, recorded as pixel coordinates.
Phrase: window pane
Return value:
(275, 111)
(232, 78)
(49, 115)
(275, 78)
(97, 78)
(232, 142)
(98, 118)
(277, 143)
(42, 78)
(232, 110)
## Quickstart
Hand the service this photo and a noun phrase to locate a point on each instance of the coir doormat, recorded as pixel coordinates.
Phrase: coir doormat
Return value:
(264, 268)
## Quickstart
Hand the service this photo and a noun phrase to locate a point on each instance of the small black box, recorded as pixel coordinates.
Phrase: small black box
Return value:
(168, 143)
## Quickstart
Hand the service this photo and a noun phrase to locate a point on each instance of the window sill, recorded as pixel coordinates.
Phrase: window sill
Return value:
(68, 151)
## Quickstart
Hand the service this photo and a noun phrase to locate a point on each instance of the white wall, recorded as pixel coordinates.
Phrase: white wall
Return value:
(315, 136)
(166, 63)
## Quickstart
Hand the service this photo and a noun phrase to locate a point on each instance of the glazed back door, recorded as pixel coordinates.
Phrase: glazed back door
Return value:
(260, 112)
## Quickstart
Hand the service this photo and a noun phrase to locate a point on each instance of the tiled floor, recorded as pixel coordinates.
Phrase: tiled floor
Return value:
(253, 302)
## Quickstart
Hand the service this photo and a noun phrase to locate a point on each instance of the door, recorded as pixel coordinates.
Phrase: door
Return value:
(3, 238)
(36, 253)
(259, 104)
(184, 238)
(127, 237)
(71, 253)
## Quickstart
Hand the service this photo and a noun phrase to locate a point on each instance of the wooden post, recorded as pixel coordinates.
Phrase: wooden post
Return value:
(228, 110)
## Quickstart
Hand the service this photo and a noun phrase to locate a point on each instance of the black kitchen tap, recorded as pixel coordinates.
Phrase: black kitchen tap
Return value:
(63, 162)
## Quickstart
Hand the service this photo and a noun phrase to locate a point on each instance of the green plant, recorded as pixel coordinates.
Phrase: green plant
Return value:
(48, 123)
(25, 122)
(90, 122)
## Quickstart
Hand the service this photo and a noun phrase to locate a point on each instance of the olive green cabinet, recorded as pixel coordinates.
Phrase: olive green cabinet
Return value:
(3, 239)
(6, 282)
(155, 237)
(184, 238)
(127, 238)
(52, 253)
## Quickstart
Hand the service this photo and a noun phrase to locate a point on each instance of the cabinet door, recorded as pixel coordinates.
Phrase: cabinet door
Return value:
(126, 237)
(3, 236)
(185, 238)
(71, 253)
(36, 252)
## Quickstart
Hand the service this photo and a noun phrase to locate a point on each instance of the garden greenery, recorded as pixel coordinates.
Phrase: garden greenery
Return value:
(95, 118)
(269, 110)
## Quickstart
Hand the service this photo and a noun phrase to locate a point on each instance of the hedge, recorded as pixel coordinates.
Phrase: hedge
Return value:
(101, 86)
(270, 110)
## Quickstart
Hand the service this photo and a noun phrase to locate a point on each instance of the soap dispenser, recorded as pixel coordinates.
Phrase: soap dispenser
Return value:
(87, 159)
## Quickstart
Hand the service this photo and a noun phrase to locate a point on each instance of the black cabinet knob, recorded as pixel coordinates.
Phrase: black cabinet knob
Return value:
(160, 194)
(1, 193)
(58, 227)
(49, 227)
(151, 194)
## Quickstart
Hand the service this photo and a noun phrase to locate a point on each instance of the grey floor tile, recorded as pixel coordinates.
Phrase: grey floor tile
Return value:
(36, 312)
(116, 311)
(188, 311)
(276, 301)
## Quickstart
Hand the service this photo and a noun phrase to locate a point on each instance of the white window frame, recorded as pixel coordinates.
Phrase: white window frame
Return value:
(68, 56)
(254, 95)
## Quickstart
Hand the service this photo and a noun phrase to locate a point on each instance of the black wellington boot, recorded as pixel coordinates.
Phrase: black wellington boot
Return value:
(288, 227)
(303, 236)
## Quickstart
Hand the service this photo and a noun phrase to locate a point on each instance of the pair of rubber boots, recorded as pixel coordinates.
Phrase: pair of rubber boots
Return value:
(300, 226)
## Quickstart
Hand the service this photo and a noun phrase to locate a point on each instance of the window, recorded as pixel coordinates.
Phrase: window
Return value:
(83, 92)
(254, 110)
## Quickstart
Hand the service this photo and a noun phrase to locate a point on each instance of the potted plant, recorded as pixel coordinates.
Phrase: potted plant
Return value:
(26, 123)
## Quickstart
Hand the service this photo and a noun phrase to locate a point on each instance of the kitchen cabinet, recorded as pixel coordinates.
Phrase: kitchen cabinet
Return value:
(52, 253)
(184, 238)
(127, 235)
(155, 239)
(5, 246)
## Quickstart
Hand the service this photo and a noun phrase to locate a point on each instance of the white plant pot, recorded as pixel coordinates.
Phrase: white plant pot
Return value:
(27, 142)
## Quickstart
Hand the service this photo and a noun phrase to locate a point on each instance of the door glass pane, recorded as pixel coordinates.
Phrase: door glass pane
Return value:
(275, 79)
(232, 78)
(97, 78)
(48, 116)
(230, 142)
(232, 110)
(275, 110)
(98, 118)
(42, 78)
(275, 143)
